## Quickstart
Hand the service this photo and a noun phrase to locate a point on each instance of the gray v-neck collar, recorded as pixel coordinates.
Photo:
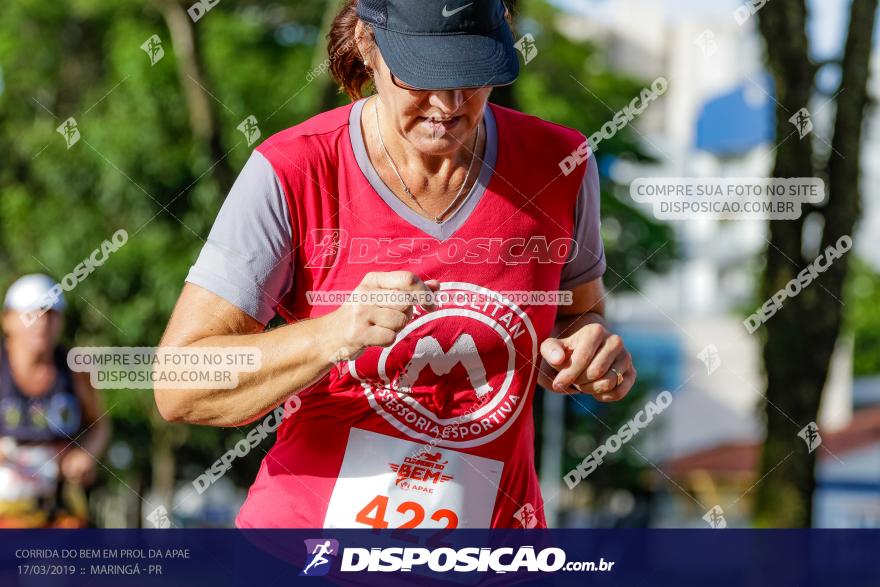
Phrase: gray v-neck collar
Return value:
(459, 217)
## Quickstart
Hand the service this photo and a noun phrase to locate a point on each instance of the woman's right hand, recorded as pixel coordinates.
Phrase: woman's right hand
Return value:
(379, 307)
(292, 357)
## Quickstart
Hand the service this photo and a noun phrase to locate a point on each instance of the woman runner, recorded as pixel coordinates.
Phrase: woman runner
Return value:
(416, 409)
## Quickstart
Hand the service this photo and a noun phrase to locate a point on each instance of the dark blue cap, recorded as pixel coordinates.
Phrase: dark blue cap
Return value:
(440, 44)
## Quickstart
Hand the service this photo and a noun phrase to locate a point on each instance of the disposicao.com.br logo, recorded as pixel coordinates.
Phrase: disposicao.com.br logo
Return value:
(441, 560)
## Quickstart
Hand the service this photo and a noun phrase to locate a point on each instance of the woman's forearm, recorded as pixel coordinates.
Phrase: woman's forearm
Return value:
(291, 358)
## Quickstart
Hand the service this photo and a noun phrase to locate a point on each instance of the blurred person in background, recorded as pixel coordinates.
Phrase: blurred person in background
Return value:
(51, 429)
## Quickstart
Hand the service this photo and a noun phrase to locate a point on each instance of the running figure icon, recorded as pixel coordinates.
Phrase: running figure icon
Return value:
(319, 552)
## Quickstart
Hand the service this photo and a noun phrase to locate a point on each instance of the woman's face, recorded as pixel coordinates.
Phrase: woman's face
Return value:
(40, 337)
(435, 122)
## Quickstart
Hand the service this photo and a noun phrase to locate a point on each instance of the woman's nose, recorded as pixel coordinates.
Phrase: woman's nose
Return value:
(448, 100)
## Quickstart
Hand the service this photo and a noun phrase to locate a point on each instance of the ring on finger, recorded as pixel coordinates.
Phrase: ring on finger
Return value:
(619, 375)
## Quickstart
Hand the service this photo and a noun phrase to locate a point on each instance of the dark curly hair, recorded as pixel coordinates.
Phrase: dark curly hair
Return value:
(346, 63)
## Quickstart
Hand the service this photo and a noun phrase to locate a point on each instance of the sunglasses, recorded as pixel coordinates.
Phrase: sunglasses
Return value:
(405, 86)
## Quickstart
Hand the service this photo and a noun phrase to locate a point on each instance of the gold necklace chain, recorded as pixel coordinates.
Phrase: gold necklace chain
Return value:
(438, 218)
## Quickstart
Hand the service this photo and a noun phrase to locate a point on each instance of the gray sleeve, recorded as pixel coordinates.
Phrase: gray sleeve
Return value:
(247, 259)
(587, 260)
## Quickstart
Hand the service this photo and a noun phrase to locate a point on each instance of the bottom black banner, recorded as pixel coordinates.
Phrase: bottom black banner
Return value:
(269, 558)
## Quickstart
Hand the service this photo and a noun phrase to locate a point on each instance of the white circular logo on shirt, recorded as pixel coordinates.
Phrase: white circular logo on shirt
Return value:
(458, 376)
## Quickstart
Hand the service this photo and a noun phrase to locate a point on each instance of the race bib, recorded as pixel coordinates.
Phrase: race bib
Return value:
(387, 482)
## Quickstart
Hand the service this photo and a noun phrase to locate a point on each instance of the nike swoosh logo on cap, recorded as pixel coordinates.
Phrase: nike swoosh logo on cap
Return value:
(447, 13)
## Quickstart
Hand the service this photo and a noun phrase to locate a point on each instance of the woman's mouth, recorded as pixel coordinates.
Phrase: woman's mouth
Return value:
(439, 126)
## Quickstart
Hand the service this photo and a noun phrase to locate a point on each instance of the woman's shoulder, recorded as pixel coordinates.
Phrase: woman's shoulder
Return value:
(536, 134)
(534, 139)
(308, 136)
(534, 124)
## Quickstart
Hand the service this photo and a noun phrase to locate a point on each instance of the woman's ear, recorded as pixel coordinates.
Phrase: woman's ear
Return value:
(360, 42)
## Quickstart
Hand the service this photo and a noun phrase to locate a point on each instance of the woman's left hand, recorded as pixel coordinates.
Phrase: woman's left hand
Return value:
(592, 360)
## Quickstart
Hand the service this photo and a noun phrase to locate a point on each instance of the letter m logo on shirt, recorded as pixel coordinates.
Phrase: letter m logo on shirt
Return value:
(428, 352)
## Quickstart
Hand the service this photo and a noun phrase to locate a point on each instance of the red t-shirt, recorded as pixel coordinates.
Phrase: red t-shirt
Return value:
(435, 430)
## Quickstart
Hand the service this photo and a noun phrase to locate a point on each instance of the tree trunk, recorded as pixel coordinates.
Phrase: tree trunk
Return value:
(201, 107)
(163, 463)
(799, 339)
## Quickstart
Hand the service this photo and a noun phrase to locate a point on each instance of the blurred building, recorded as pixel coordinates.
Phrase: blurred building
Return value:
(848, 476)
(847, 479)
(717, 120)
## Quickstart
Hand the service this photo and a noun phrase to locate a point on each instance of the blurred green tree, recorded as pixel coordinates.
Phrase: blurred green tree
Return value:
(863, 318)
